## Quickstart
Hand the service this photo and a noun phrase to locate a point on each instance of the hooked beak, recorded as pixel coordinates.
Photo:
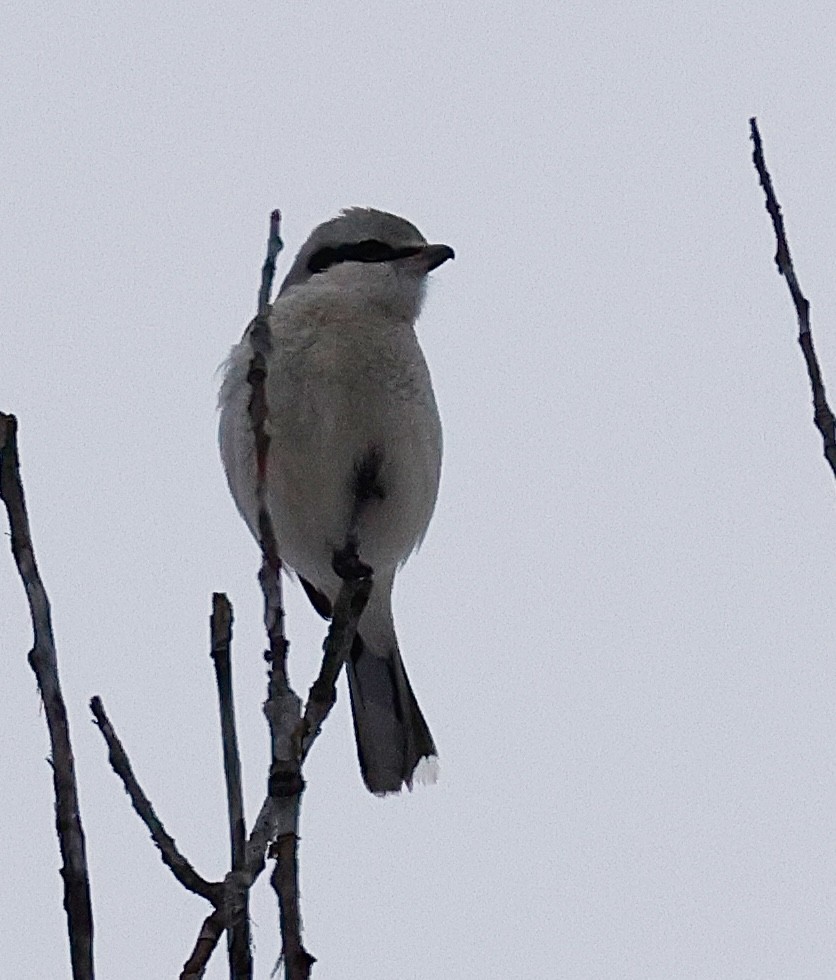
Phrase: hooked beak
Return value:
(432, 256)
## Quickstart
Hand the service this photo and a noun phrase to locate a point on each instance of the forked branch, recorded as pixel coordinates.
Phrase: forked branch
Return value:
(275, 832)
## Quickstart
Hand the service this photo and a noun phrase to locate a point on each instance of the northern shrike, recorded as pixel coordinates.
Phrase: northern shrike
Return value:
(355, 445)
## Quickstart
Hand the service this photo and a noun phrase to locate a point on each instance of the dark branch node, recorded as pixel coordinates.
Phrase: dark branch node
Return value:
(285, 782)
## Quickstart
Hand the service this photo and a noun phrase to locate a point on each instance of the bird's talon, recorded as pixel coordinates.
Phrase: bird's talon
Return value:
(347, 565)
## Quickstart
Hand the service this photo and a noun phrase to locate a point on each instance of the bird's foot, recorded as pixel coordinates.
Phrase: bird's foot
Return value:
(347, 565)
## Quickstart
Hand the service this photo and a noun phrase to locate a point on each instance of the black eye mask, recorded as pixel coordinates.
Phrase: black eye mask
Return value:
(369, 250)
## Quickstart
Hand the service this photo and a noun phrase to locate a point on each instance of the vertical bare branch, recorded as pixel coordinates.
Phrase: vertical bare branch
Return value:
(238, 936)
(291, 736)
(44, 662)
(262, 345)
(822, 416)
(283, 707)
(268, 270)
(285, 882)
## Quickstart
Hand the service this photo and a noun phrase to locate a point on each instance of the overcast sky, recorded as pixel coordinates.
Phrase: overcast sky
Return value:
(621, 624)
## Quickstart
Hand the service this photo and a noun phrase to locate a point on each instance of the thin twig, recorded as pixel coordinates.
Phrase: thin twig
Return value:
(291, 738)
(285, 882)
(268, 270)
(351, 601)
(292, 741)
(262, 345)
(207, 941)
(228, 898)
(238, 883)
(261, 836)
(283, 706)
(238, 936)
(283, 711)
(44, 662)
(172, 858)
(823, 416)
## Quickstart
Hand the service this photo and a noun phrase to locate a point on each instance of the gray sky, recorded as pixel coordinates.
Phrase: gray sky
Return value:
(620, 626)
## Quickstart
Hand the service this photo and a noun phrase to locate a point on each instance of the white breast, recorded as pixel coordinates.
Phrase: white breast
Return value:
(344, 376)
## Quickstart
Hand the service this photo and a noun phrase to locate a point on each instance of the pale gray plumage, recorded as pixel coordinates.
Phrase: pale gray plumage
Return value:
(349, 392)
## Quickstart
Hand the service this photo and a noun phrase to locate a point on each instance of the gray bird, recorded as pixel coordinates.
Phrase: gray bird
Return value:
(355, 444)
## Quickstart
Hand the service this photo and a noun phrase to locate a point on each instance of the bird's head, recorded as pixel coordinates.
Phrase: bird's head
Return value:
(369, 251)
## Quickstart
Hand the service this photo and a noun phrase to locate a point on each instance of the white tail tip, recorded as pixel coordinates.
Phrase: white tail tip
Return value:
(427, 770)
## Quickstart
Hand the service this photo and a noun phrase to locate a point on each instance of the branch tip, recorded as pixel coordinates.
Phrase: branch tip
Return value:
(822, 414)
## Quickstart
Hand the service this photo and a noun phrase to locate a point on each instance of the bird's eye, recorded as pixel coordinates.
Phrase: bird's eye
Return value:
(369, 250)
(322, 259)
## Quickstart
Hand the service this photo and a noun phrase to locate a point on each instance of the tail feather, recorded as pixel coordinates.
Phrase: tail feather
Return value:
(392, 735)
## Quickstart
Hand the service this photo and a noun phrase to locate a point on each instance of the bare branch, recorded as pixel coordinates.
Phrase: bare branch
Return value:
(291, 735)
(172, 858)
(283, 710)
(283, 707)
(238, 883)
(285, 882)
(238, 937)
(268, 270)
(262, 345)
(823, 416)
(351, 601)
(207, 941)
(44, 662)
